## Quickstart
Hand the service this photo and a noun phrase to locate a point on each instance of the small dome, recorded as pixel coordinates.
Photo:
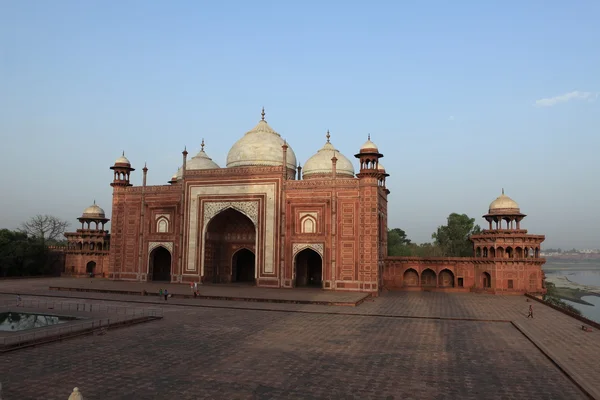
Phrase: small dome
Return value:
(369, 147)
(320, 163)
(380, 167)
(504, 204)
(260, 146)
(93, 211)
(198, 162)
(122, 160)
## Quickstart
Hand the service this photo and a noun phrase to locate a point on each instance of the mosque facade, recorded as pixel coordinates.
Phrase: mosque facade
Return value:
(265, 220)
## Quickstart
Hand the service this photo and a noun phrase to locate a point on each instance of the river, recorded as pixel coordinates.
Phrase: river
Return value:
(588, 274)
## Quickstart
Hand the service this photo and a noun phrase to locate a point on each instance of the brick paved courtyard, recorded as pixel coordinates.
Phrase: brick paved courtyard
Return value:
(207, 350)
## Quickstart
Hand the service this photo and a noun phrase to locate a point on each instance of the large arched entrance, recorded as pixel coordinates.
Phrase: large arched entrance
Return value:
(160, 264)
(309, 268)
(243, 265)
(227, 233)
(90, 268)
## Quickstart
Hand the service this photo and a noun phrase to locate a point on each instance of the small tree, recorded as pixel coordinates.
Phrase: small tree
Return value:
(45, 228)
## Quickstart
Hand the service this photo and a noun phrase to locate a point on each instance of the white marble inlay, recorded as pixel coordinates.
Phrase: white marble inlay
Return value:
(166, 245)
(196, 193)
(298, 247)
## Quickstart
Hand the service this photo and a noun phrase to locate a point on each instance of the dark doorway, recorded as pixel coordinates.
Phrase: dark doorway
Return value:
(227, 232)
(309, 269)
(160, 264)
(243, 266)
(90, 268)
(487, 280)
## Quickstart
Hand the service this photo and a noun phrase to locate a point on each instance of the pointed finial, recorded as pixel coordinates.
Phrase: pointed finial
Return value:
(502, 190)
(328, 136)
(94, 201)
(263, 114)
(123, 153)
(369, 136)
(202, 145)
(145, 164)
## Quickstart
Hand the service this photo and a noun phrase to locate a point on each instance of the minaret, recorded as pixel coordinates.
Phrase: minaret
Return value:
(371, 263)
(122, 172)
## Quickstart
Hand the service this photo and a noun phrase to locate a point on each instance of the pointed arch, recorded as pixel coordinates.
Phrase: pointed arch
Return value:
(215, 265)
(162, 225)
(308, 224)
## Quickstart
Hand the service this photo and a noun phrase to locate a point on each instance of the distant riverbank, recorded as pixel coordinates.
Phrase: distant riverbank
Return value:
(578, 285)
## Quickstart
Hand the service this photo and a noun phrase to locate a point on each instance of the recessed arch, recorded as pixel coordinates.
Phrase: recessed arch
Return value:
(486, 280)
(308, 224)
(90, 267)
(227, 232)
(162, 225)
(308, 267)
(410, 277)
(446, 278)
(243, 266)
(428, 278)
(159, 264)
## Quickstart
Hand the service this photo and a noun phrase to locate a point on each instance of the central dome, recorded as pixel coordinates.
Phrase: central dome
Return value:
(260, 146)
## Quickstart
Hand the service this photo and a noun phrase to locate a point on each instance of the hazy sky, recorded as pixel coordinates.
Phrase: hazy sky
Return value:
(464, 98)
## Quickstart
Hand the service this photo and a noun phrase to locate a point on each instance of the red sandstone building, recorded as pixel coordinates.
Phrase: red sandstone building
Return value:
(265, 220)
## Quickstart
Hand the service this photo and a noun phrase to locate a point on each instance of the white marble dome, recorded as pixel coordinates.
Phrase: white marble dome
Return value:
(504, 204)
(320, 163)
(199, 161)
(122, 160)
(260, 146)
(93, 211)
(369, 147)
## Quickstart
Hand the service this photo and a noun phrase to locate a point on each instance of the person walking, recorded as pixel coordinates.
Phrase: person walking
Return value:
(160, 292)
(166, 292)
(530, 315)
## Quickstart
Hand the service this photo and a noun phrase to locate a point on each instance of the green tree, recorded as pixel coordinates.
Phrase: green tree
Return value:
(20, 255)
(398, 243)
(453, 238)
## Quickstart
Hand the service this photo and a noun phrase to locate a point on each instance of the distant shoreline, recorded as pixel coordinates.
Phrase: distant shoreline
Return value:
(566, 289)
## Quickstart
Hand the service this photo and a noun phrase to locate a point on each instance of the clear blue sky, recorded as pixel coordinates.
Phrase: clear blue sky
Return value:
(447, 90)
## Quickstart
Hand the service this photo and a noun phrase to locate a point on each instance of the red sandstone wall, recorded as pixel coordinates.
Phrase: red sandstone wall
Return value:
(336, 203)
(462, 274)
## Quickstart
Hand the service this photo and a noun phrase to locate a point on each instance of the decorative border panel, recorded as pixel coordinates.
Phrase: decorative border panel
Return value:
(166, 245)
(298, 247)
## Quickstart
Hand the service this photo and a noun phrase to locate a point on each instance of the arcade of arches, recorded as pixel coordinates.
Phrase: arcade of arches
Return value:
(309, 268)
(428, 278)
(507, 252)
(229, 249)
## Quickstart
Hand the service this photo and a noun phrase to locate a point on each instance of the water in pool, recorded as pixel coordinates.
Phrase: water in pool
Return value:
(18, 321)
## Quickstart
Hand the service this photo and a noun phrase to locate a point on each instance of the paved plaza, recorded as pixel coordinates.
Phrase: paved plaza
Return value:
(402, 345)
